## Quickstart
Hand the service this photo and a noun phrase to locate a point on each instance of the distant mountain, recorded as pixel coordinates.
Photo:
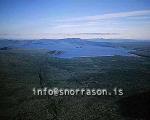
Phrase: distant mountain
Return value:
(51, 43)
(72, 47)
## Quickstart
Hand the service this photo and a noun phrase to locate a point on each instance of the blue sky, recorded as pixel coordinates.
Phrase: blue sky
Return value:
(34, 19)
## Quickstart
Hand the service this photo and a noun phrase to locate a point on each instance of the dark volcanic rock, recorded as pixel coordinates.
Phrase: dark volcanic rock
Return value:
(55, 52)
(5, 48)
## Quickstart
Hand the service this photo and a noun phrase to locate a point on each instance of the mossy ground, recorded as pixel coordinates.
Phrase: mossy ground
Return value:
(19, 71)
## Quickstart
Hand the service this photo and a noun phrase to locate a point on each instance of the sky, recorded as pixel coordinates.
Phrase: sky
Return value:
(53, 19)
